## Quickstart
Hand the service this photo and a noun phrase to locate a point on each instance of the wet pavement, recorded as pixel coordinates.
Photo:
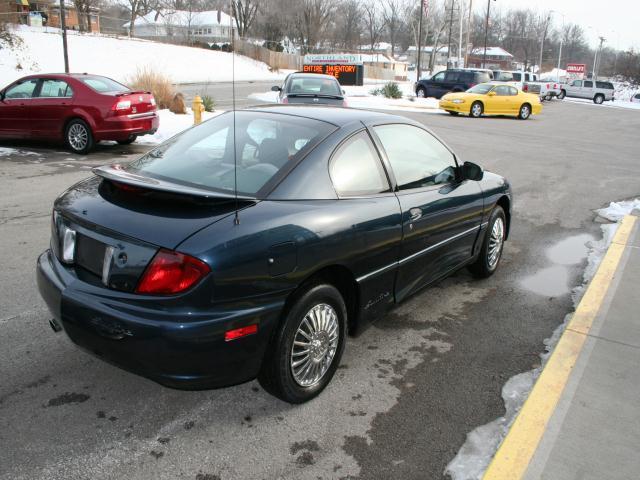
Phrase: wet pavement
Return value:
(408, 390)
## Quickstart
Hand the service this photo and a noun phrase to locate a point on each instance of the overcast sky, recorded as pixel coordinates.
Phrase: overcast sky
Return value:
(616, 20)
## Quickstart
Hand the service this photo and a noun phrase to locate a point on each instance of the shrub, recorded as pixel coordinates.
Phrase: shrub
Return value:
(208, 103)
(146, 78)
(178, 105)
(376, 92)
(391, 90)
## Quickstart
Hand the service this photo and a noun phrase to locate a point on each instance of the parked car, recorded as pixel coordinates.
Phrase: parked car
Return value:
(528, 82)
(163, 267)
(452, 80)
(635, 98)
(311, 88)
(79, 109)
(492, 99)
(597, 91)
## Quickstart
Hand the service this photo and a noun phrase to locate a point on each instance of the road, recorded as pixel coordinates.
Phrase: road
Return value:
(222, 92)
(408, 390)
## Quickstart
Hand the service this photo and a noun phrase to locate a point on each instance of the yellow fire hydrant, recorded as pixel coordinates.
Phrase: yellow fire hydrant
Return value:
(198, 107)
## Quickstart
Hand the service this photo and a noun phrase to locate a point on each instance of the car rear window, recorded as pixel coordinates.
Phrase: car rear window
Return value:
(104, 85)
(314, 85)
(482, 77)
(205, 157)
(605, 85)
(503, 76)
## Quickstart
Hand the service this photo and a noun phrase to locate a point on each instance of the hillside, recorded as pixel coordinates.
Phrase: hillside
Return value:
(35, 50)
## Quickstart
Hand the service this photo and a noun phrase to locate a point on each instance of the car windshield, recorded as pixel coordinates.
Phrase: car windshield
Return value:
(104, 85)
(314, 85)
(503, 76)
(203, 156)
(482, 89)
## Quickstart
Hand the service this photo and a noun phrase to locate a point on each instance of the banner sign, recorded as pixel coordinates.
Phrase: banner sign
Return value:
(576, 68)
(333, 59)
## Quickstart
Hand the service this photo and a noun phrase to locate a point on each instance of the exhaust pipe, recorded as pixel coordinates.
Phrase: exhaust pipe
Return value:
(55, 326)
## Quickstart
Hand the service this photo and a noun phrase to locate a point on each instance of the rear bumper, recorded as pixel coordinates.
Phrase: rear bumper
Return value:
(122, 127)
(175, 347)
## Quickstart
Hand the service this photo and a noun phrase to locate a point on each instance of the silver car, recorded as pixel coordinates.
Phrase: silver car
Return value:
(596, 91)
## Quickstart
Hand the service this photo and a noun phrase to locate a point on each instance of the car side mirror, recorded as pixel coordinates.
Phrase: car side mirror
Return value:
(491, 94)
(471, 171)
(2, 96)
(275, 88)
(344, 92)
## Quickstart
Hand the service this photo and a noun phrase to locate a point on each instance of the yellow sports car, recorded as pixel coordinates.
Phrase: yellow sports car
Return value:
(492, 99)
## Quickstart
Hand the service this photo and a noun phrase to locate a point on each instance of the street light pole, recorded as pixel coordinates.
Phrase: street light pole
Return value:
(460, 35)
(419, 40)
(466, 45)
(596, 59)
(64, 37)
(544, 34)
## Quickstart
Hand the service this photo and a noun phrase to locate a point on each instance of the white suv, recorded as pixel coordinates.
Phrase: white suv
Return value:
(599, 92)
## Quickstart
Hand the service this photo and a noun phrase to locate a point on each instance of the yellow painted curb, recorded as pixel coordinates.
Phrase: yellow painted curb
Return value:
(512, 458)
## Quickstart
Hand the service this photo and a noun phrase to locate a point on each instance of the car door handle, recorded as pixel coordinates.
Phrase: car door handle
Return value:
(415, 214)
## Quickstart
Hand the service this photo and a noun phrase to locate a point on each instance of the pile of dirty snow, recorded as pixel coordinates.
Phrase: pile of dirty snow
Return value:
(171, 124)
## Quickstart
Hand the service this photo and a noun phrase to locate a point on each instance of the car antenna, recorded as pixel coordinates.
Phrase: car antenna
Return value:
(236, 219)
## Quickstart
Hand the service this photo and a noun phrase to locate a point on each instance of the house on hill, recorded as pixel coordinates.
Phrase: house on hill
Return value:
(180, 25)
(38, 13)
(497, 58)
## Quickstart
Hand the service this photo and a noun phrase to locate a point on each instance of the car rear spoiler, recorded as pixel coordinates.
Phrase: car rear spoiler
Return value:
(116, 173)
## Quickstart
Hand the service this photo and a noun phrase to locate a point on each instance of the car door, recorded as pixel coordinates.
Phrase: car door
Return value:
(436, 85)
(14, 111)
(574, 89)
(587, 89)
(503, 99)
(441, 215)
(451, 81)
(365, 195)
(50, 107)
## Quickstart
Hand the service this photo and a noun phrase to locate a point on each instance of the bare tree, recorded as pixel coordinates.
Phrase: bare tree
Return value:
(348, 26)
(138, 8)
(244, 12)
(393, 20)
(311, 21)
(374, 23)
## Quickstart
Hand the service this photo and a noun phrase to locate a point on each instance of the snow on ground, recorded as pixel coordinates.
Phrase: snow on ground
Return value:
(362, 97)
(481, 443)
(171, 124)
(6, 152)
(617, 103)
(40, 50)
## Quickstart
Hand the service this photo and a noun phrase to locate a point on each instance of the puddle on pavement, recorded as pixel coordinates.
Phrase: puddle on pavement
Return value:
(554, 281)
(570, 251)
(550, 282)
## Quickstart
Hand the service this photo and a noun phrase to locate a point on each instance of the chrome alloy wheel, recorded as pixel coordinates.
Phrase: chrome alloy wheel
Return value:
(525, 111)
(476, 110)
(496, 241)
(78, 137)
(314, 345)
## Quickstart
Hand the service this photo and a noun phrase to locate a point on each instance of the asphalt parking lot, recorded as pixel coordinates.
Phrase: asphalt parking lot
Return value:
(408, 390)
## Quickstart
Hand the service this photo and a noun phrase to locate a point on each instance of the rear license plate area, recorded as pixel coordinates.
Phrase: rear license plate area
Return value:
(90, 254)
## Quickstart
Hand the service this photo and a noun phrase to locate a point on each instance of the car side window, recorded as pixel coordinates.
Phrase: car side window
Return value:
(452, 77)
(577, 83)
(55, 89)
(502, 90)
(638, 96)
(417, 158)
(438, 77)
(355, 168)
(513, 91)
(517, 77)
(21, 90)
(588, 84)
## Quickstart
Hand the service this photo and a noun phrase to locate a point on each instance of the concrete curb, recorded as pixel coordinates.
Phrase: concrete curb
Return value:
(517, 449)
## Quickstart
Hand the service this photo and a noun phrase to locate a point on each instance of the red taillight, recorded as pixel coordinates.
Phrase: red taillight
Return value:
(471, 85)
(171, 272)
(285, 100)
(122, 107)
(525, 88)
(240, 332)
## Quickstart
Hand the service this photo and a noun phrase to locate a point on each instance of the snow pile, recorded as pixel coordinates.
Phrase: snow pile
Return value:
(39, 50)
(555, 74)
(481, 443)
(625, 90)
(171, 124)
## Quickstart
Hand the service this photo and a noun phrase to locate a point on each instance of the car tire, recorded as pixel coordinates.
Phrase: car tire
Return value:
(524, 112)
(455, 114)
(476, 110)
(598, 99)
(492, 245)
(421, 92)
(562, 94)
(129, 140)
(278, 374)
(548, 97)
(78, 136)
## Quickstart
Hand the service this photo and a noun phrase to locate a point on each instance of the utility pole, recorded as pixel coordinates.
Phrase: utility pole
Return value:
(460, 35)
(560, 51)
(449, 43)
(486, 33)
(466, 45)
(419, 52)
(596, 60)
(544, 34)
(63, 26)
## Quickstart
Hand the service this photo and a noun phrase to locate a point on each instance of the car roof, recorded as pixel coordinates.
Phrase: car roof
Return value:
(338, 116)
(314, 75)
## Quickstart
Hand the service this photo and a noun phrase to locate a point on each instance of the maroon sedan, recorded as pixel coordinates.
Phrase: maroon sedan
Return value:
(80, 109)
